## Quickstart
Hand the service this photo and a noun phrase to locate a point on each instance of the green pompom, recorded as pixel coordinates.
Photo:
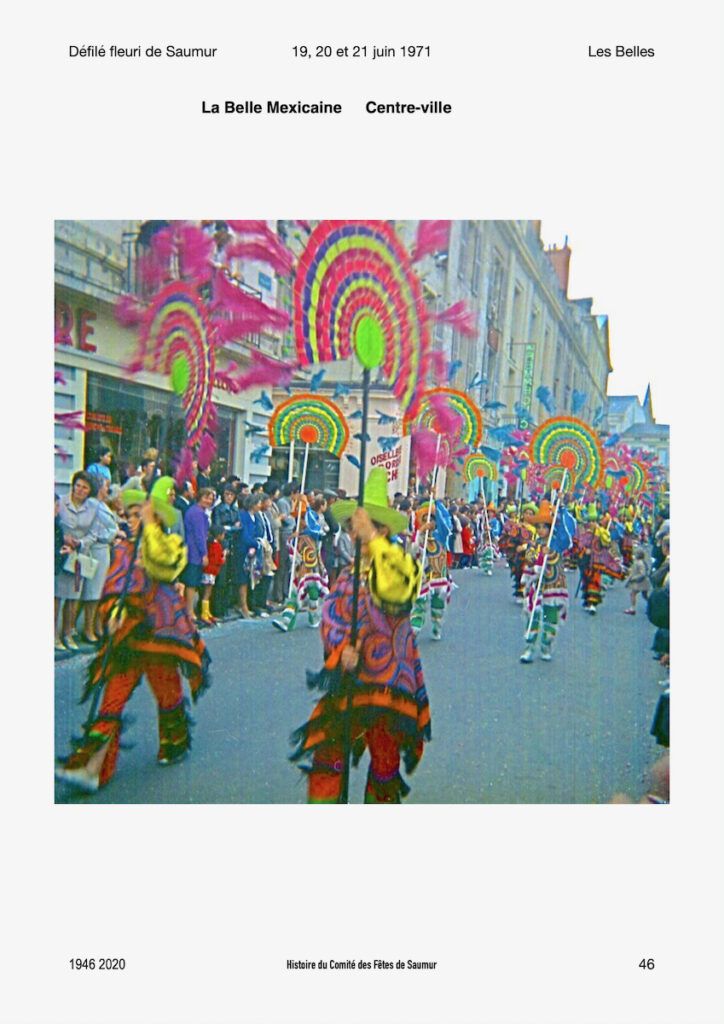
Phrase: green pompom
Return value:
(180, 375)
(369, 343)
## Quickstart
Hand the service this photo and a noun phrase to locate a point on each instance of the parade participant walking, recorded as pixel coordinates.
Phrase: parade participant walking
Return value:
(310, 582)
(592, 545)
(147, 632)
(486, 543)
(546, 599)
(390, 714)
(430, 547)
(516, 537)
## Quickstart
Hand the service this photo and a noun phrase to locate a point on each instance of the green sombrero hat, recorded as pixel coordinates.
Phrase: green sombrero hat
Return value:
(375, 503)
(158, 497)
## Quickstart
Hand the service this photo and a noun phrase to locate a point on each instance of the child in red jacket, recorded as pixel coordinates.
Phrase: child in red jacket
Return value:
(468, 540)
(215, 558)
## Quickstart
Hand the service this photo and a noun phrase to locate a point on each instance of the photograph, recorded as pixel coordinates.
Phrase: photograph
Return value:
(297, 465)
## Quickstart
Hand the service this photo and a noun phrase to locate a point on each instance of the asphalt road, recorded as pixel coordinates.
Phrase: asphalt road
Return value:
(573, 730)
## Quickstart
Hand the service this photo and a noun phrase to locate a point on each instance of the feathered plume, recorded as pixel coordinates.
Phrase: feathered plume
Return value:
(151, 274)
(460, 317)
(446, 419)
(424, 447)
(70, 420)
(265, 370)
(432, 236)
(207, 451)
(236, 313)
(263, 245)
(129, 311)
(189, 244)
(185, 468)
(438, 364)
(248, 227)
(225, 378)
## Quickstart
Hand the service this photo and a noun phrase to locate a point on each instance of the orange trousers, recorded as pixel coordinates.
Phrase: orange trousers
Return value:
(173, 726)
(384, 783)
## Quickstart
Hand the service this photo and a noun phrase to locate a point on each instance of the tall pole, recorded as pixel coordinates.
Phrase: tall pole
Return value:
(299, 520)
(545, 557)
(348, 682)
(486, 520)
(429, 513)
(290, 473)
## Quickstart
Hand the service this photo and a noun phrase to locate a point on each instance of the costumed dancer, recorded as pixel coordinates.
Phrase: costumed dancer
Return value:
(149, 632)
(593, 548)
(311, 584)
(390, 710)
(486, 546)
(546, 606)
(516, 537)
(433, 526)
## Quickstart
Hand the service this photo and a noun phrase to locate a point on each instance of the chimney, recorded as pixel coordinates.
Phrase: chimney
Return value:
(561, 261)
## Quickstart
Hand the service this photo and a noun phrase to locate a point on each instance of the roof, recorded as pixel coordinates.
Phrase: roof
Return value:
(660, 430)
(621, 401)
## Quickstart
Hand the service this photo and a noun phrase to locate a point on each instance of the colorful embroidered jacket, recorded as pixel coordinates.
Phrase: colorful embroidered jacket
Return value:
(388, 680)
(153, 620)
(554, 588)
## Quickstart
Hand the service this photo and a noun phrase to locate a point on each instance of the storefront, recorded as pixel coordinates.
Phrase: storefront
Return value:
(128, 418)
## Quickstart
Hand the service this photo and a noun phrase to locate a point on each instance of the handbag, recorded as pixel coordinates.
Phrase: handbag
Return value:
(82, 565)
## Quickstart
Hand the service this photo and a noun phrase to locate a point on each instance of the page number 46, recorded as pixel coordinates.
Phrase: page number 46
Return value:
(647, 964)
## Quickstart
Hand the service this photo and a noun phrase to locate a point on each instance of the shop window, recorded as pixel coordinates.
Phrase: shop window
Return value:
(129, 418)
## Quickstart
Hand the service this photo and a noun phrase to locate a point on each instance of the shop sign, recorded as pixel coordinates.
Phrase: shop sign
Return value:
(74, 327)
(265, 281)
(101, 422)
(526, 391)
(390, 460)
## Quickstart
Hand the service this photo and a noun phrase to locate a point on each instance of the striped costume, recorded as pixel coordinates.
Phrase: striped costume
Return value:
(390, 711)
(155, 638)
(311, 583)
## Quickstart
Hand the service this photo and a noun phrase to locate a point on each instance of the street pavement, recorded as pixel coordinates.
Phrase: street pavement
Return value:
(573, 730)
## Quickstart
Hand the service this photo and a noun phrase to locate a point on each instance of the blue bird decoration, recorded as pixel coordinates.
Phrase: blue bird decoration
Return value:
(545, 397)
(359, 437)
(453, 369)
(611, 441)
(355, 415)
(253, 428)
(340, 390)
(383, 418)
(316, 379)
(493, 405)
(260, 453)
(578, 400)
(264, 401)
(388, 443)
(354, 460)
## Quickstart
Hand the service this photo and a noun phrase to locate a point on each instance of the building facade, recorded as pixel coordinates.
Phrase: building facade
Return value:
(530, 334)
